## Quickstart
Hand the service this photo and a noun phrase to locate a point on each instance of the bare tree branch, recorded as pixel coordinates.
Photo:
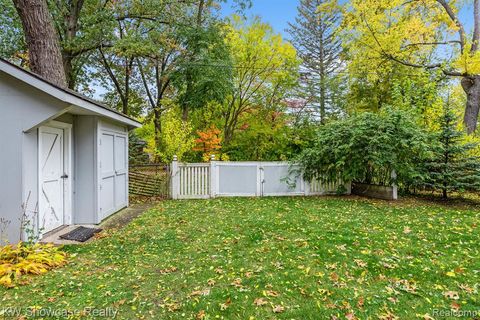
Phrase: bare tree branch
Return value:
(411, 64)
(476, 28)
(426, 66)
(145, 84)
(454, 18)
(432, 43)
(112, 75)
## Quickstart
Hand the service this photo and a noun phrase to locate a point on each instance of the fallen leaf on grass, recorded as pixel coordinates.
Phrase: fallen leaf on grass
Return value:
(200, 315)
(466, 288)
(167, 270)
(172, 307)
(278, 309)
(271, 293)
(237, 283)
(388, 315)
(331, 266)
(204, 292)
(334, 277)
(260, 302)
(360, 263)
(226, 304)
(211, 282)
(451, 295)
(455, 306)
(361, 302)
(393, 300)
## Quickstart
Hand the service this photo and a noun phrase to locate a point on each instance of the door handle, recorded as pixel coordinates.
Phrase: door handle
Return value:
(65, 176)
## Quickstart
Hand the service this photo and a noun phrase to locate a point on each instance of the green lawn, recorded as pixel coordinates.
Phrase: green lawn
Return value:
(273, 258)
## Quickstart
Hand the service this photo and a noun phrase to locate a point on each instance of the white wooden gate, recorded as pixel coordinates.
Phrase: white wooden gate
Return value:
(194, 181)
(243, 179)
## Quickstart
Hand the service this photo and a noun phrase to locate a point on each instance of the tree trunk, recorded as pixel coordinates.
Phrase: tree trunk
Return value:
(71, 20)
(323, 89)
(157, 124)
(323, 98)
(69, 72)
(42, 40)
(471, 86)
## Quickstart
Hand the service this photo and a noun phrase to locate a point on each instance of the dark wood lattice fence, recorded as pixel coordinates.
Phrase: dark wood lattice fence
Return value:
(150, 180)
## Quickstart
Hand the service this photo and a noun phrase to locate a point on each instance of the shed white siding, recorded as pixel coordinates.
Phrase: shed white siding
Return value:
(85, 198)
(101, 169)
(29, 104)
(21, 108)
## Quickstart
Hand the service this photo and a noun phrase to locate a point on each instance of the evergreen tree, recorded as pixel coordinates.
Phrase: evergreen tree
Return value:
(314, 36)
(136, 150)
(453, 168)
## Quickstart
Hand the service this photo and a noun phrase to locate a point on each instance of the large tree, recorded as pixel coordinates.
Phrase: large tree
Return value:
(265, 67)
(45, 58)
(314, 35)
(425, 34)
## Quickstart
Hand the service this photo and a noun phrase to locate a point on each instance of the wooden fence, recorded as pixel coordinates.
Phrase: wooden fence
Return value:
(244, 179)
(150, 180)
(195, 182)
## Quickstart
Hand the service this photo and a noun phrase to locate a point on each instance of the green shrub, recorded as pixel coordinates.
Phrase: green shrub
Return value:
(367, 147)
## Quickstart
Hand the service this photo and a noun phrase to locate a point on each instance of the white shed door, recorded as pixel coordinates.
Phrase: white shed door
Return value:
(52, 196)
(114, 173)
(121, 171)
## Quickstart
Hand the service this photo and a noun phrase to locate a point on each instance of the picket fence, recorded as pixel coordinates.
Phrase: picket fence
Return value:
(243, 179)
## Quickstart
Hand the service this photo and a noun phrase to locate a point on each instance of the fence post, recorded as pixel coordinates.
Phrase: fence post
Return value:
(175, 178)
(213, 176)
(348, 185)
(307, 187)
(394, 185)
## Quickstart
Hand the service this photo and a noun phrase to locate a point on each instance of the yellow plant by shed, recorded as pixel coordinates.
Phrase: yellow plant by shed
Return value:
(23, 259)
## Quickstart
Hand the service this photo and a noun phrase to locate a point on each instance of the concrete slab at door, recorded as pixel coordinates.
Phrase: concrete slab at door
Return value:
(51, 165)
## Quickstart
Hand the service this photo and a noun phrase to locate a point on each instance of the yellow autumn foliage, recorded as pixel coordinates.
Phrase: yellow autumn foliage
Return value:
(379, 33)
(468, 62)
(24, 259)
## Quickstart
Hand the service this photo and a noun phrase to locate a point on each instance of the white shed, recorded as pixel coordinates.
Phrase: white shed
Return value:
(63, 156)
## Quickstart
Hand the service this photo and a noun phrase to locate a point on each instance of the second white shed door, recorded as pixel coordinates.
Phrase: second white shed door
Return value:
(113, 173)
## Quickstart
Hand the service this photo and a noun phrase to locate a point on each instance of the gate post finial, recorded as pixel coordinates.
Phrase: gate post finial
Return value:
(212, 157)
(175, 158)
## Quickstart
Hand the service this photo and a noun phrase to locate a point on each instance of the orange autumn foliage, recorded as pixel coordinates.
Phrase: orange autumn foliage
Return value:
(208, 141)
